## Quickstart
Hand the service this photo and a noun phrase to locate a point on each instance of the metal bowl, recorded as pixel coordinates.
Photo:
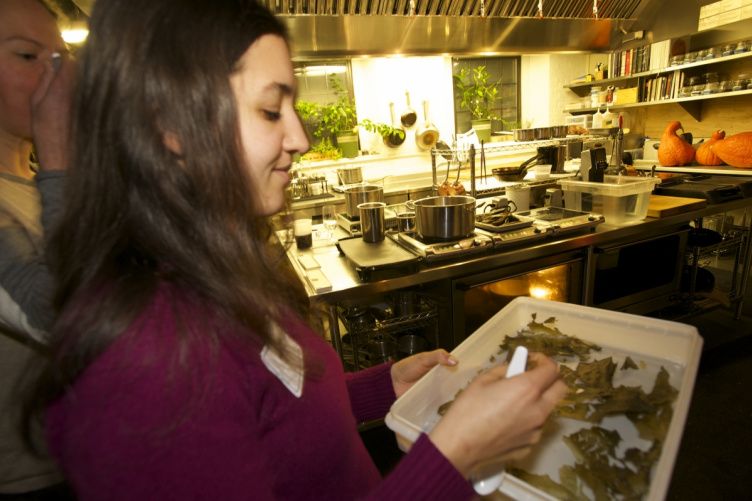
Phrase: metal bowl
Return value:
(524, 135)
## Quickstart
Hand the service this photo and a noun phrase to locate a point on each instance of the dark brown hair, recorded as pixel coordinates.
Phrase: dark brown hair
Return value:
(138, 213)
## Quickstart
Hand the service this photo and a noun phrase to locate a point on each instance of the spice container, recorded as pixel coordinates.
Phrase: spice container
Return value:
(677, 60)
(725, 86)
(739, 85)
(700, 55)
(595, 90)
(712, 53)
(686, 91)
(697, 84)
(690, 57)
(728, 49)
(741, 47)
(711, 83)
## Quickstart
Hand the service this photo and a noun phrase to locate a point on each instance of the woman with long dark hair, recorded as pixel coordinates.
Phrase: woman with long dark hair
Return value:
(186, 364)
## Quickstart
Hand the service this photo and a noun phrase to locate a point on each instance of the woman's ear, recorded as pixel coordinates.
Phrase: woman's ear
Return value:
(172, 143)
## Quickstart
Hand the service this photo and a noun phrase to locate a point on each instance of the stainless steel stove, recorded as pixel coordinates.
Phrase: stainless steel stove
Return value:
(434, 251)
(561, 221)
(518, 236)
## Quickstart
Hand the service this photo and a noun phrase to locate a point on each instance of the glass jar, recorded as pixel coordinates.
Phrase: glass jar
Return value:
(712, 53)
(700, 55)
(728, 49)
(686, 91)
(739, 85)
(725, 86)
(677, 60)
(741, 47)
(712, 83)
(689, 57)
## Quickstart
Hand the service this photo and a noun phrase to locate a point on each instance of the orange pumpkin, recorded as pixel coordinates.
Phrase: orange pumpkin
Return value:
(705, 154)
(735, 150)
(673, 150)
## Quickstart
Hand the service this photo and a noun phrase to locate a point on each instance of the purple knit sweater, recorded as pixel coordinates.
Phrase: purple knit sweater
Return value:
(137, 425)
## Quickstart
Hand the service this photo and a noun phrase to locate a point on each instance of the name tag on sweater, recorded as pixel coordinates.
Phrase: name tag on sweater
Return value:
(290, 374)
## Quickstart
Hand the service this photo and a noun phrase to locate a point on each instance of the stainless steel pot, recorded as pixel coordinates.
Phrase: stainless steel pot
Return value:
(350, 175)
(524, 135)
(360, 194)
(542, 133)
(558, 131)
(444, 218)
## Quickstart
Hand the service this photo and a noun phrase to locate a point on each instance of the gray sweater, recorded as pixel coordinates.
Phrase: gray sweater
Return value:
(27, 210)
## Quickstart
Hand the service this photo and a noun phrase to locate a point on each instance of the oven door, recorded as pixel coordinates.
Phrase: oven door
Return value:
(477, 298)
(638, 277)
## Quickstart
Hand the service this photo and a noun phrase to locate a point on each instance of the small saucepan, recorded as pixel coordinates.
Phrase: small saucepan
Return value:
(514, 172)
(427, 134)
(394, 140)
(409, 117)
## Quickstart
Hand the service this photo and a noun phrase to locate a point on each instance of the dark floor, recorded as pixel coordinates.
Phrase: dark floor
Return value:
(715, 456)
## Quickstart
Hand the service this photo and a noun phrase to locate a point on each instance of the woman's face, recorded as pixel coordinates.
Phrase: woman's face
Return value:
(270, 130)
(28, 37)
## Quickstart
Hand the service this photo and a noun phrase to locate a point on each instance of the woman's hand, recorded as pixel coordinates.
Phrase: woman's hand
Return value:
(496, 419)
(50, 112)
(406, 372)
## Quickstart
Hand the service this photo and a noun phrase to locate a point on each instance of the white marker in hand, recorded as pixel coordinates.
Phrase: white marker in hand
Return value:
(486, 486)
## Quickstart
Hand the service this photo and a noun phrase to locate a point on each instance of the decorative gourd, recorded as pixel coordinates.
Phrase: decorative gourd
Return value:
(735, 150)
(705, 154)
(673, 150)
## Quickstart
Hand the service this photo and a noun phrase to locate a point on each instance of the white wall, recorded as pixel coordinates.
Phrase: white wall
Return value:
(380, 81)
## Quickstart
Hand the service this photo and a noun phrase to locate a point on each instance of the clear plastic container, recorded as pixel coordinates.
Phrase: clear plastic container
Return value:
(677, 60)
(739, 85)
(700, 55)
(690, 57)
(725, 86)
(595, 90)
(655, 343)
(621, 199)
(686, 91)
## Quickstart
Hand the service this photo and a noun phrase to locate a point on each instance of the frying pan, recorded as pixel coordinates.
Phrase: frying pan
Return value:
(394, 140)
(427, 135)
(409, 117)
(515, 173)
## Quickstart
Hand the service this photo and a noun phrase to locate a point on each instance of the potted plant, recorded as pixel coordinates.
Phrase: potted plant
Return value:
(478, 96)
(384, 130)
(340, 118)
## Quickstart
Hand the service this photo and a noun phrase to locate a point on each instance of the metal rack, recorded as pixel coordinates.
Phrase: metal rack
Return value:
(469, 155)
(386, 327)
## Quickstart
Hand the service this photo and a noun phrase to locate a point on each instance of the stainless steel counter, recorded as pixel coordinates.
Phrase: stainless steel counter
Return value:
(347, 285)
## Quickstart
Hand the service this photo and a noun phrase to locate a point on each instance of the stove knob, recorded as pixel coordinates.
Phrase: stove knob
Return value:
(538, 229)
(477, 242)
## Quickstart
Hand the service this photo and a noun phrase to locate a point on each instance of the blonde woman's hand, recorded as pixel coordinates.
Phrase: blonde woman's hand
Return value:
(408, 371)
(496, 419)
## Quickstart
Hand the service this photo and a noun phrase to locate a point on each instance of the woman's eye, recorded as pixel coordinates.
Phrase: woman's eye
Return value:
(27, 56)
(272, 115)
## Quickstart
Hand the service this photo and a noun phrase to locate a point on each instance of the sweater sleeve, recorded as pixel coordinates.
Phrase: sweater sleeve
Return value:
(26, 283)
(424, 474)
(371, 392)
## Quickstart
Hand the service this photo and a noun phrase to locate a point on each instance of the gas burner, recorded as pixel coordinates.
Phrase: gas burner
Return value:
(562, 220)
(437, 250)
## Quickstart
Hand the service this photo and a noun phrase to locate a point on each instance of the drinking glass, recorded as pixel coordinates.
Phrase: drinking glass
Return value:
(329, 217)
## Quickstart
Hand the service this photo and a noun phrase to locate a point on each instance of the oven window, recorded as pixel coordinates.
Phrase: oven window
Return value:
(482, 302)
(636, 268)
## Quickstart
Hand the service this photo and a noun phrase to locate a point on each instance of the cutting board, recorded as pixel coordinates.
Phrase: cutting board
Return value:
(664, 206)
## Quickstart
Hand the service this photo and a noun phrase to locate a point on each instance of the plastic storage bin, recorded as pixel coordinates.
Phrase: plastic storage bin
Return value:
(651, 343)
(621, 199)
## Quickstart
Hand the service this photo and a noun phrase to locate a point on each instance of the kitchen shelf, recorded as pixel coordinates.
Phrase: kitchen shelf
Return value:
(692, 105)
(583, 89)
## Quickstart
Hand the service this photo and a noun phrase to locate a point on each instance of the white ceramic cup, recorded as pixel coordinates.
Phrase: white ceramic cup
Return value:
(542, 171)
(520, 197)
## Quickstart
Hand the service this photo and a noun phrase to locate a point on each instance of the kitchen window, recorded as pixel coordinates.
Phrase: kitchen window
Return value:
(507, 106)
(314, 79)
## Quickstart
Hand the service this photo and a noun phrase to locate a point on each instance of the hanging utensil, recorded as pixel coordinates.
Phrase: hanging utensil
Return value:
(427, 135)
(409, 117)
(445, 189)
(393, 140)
(483, 172)
(457, 187)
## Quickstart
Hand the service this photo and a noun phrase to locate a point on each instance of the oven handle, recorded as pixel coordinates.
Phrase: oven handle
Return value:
(602, 250)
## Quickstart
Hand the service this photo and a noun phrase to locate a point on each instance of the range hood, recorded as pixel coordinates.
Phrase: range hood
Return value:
(322, 29)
